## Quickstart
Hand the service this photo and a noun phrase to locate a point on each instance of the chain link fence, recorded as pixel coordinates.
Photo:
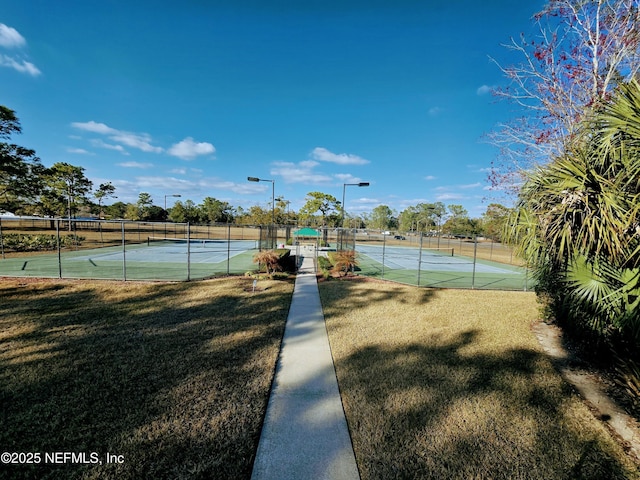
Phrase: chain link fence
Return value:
(432, 260)
(125, 250)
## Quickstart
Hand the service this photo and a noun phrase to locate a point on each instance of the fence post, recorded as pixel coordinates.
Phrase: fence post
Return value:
(475, 254)
(58, 245)
(188, 251)
(124, 252)
(228, 248)
(384, 246)
(420, 258)
(1, 239)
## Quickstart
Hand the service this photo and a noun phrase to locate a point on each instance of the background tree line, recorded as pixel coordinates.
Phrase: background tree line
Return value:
(63, 190)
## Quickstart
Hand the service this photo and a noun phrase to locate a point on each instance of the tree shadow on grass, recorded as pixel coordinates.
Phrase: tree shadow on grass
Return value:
(431, 411)
(447, 405)
(337, 290)
(178, 388)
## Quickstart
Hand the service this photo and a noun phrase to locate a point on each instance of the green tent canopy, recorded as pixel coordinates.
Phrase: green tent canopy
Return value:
(306, 232)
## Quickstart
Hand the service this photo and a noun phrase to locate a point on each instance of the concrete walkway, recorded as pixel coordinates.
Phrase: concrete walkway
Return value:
(305, 434)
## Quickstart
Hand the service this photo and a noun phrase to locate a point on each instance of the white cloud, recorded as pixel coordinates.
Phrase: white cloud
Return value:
(190, 188)
(449, 196)
(484, 89)
(179, 171)
(459, 187)
(79, 151)
(165, 183)
(141, 141)
(429, 177)
(94, 127)
(101, 144)
(347, 178)
(187, 149)
(324, 155)
(435, 111)
(299, 173)
(135, 165)
(21, 66)
(368, 201)
(10, 38)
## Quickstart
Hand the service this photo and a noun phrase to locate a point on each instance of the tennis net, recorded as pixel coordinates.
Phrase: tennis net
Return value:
(438, 251)
(196, 244)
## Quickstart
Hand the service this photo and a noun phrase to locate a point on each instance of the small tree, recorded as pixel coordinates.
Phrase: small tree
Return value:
(270, 260)
(382, 218)
(68, 182)
(104, 191)
(144, 204)
(577, 223)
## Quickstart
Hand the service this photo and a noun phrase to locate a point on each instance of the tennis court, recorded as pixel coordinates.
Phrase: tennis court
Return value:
(177, 250)
(438, 267)
(155, 259)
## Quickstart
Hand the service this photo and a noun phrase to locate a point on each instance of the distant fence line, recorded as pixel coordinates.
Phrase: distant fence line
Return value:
(122, 250)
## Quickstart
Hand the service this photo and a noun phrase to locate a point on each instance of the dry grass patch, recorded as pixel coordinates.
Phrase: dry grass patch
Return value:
(453, 384)
(174, 377)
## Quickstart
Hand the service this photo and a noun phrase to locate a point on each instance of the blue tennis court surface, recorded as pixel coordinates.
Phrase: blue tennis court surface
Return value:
(407, 258)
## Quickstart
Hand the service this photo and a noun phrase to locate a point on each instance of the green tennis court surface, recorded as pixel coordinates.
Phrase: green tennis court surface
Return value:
(151, 261)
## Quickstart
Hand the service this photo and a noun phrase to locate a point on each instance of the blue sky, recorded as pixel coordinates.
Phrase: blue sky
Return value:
(192, 97)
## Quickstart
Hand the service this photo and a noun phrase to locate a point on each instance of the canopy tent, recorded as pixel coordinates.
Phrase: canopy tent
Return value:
(306, 233)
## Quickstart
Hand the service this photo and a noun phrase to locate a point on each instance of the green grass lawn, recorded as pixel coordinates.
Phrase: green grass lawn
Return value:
(173, 377)
(452, 384)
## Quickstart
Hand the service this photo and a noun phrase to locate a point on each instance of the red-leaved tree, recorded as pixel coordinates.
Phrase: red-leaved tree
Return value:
(581, 51)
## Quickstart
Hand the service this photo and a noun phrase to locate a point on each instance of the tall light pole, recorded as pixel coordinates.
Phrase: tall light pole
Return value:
(344, 188)
(273, 195)
(165, 199)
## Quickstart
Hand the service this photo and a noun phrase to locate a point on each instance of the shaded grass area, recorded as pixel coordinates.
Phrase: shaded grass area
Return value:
(453, 384)
(173, 377)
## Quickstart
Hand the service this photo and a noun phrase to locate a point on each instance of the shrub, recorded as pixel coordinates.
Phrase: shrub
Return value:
(269, 258)
(31, 243)
(71, 240)
(344, 261)
(324, 263)
(280, 276)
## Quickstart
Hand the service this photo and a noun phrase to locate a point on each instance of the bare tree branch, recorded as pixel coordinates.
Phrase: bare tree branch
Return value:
(581, 51)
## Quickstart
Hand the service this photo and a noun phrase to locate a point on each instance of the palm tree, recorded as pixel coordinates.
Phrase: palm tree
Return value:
(578, 221)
